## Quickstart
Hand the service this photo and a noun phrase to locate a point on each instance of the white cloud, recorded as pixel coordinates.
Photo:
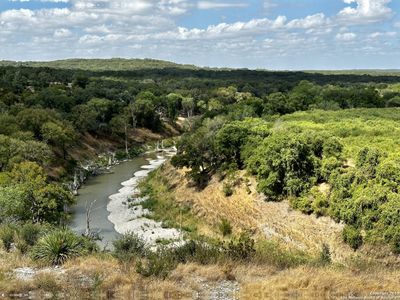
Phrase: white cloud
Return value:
(269, 4)
(44, 1)
(375, 35)
(62, 33)
(366, 11)
(152, 28)
(216, 5)
(346, 37)
(308, 22)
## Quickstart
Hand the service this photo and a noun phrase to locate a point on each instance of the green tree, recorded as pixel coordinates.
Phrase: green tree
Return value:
(41, 202)
(145, 111)
(277, 103)
(59, 134)
(174, 103)
(229, 141)
(188, 106)
(32, 119)
(285, 165)
(119, 126)
(102, 108)
(84, 117)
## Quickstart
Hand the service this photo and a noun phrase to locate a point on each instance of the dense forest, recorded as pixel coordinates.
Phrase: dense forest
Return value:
(297, 133)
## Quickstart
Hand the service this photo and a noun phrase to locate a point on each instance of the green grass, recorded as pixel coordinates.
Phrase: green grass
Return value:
(163, 206)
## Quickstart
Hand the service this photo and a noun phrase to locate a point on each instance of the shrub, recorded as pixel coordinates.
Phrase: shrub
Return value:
(227, 189)
(58, 246)
(21, 245)
(30, 233)
(328, 166)
(242, 249)
(7, 236)
(352, 236)
(121, 155)
(225, 227)
(271, 253)
(304, 204)
(135, 151)
(157, 264)
(395, 243)
(128, 247)
(325, 255)
(199, 252)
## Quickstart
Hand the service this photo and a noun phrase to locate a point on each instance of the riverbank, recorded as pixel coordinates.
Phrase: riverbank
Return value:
(114, 202)
(128, 215)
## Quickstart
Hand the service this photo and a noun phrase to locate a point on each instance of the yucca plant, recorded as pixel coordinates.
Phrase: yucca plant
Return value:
(57, 247)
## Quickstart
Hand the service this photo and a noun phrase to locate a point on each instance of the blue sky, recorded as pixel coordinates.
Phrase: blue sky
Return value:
(272, 34)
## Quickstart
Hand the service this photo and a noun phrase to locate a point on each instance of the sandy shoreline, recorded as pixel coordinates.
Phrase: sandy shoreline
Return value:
(132, 219)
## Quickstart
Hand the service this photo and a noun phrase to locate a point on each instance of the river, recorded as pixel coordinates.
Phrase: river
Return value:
(110, 192)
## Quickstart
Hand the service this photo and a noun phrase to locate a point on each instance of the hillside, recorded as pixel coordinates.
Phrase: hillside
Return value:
(371, 72)
(113, 64)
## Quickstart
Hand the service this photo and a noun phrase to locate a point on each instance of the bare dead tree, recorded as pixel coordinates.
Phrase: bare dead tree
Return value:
(88, 208)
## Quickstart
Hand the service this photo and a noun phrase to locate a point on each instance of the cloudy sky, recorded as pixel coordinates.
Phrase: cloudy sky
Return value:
(273, 34)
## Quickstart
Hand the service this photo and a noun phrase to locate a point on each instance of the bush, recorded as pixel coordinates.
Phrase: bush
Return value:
(58, 246)
(271, 253)
(242, 249)
(304, 204)
(128, 247)
(7, 236)
(199, 252)
(135, 151)
(30, 233)
(395, 243)
(325, 255)
(121, 155)
(157, 264)
(225, 227)
(227, 189)
(352, 236)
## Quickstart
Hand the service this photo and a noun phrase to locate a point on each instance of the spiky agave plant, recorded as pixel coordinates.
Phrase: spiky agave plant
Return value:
(57, 247)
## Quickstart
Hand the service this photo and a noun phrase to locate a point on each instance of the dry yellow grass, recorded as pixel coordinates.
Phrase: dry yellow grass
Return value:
(8, 262)
(104, 276)
(212, 205)
(322, 283)
(246, 209)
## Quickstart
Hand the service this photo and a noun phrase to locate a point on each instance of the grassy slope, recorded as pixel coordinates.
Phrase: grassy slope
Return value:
(246, 210)
(267, 279)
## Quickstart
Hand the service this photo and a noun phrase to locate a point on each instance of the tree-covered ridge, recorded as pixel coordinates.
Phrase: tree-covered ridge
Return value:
(344, 164)
(113, 64)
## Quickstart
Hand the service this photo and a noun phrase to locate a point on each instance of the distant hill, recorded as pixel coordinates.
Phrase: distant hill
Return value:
(122, 64)
(114, 64)
(372, 72)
